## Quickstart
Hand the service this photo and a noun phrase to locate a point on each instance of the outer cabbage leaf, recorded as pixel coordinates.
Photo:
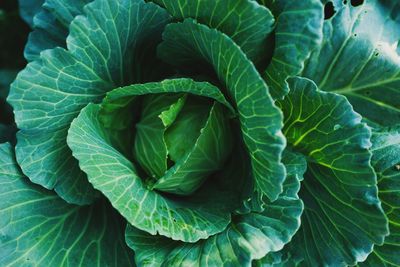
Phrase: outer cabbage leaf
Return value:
(278, 259)
(359, 59)
(248, 237)
(247, 23)
(297, 33)
(50, 23)
(28, 9)
(343, 218)
(386, 160)
(51, 91)
(37, 228)
(260, 119)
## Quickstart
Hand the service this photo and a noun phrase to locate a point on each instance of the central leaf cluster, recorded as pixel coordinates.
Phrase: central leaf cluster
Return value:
(180, 140)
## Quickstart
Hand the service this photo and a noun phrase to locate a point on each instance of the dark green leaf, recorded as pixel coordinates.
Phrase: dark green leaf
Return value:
(28, 9)
(298, 32)
(49, 162)
(246, 22)
(37, 228)
(50, 24)
(386, 161)
(343, 218)
(359, 59)
(278, 259)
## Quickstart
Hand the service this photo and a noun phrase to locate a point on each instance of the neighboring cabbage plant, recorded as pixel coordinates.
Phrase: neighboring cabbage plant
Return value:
(205, 133)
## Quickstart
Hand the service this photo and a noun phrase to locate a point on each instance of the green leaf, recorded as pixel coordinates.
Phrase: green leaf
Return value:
(169, 116)
(386, 161)
(48, 161)
(150, 149)
(47, 33)
(189, 219)
(246, 22)
(277, 259)
(369, 77)
(343, 218)
(51, 91)
(65, 11)
(260, 119)
(119, 102)
(50, 24)
(207, 154)
(248, 237)
(187, 128)
(28, 9)
(37, 228)
(298, 32)
(198, 139)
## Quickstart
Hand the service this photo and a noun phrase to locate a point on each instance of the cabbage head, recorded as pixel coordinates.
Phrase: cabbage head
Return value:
(205, 133)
